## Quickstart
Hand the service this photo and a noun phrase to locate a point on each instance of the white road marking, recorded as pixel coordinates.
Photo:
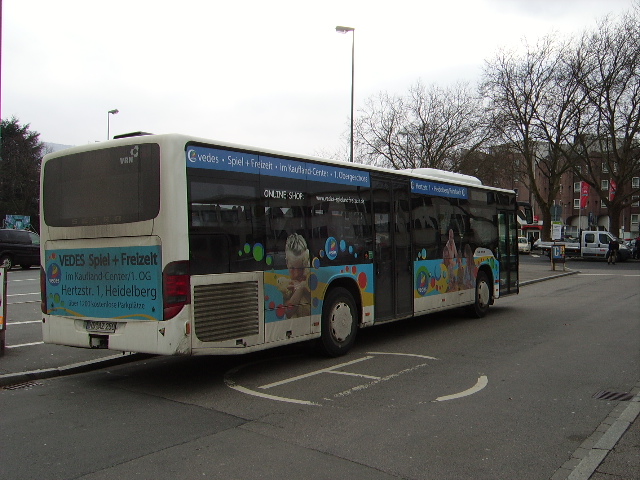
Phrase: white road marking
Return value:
(480, 384)
(608, 275)
(267, 396)
(358, 388)
(311, 374)
(25, 345)
(403, 355)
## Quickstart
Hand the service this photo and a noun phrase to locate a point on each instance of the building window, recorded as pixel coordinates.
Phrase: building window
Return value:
(635, 182)
(634, 219)
(605, 168)
(604, 185)
(635, 201)
(576, 203)
(602, 204)
(576, 186)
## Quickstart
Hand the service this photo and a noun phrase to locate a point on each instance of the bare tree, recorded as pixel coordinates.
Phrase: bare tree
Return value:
(534, 103)
(606, 68)
(430, 127)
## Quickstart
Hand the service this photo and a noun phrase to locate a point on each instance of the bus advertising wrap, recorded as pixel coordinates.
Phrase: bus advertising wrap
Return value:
(217, 159)
(439, 189)
(114, 282)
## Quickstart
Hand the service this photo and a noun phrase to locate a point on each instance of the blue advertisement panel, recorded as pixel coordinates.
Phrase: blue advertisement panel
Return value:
(113, 282)
(439, 189)
(227, 160)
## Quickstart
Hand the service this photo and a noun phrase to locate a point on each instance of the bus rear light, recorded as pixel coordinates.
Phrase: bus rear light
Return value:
(176, 286)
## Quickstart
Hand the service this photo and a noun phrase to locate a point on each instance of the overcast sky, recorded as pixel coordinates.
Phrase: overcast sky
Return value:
(271, 74)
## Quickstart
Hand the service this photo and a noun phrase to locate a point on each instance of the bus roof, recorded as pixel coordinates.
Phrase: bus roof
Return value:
(144, 137)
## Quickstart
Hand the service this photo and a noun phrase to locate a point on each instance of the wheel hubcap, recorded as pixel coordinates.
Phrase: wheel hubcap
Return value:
(483, 294)
(341, 321)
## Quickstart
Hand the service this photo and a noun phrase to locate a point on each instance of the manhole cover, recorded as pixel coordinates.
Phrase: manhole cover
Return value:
(614, 396)
(18, 386)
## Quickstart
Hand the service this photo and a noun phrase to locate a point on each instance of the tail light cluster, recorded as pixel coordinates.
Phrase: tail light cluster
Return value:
(176, 286)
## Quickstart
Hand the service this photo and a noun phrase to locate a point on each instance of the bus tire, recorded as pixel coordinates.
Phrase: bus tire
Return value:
(482, 298)
(339, 323)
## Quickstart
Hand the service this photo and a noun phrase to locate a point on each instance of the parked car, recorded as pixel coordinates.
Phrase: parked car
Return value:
(19, 247)
(631, 245)
(523, 245)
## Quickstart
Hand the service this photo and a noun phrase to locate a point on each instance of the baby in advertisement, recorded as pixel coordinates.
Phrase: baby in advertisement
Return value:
(295, 289)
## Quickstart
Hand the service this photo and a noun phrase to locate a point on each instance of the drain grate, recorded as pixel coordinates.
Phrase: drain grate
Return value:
(614, 396)
(18, 386)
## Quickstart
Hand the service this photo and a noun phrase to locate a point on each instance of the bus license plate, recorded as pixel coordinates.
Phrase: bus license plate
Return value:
(101, 327)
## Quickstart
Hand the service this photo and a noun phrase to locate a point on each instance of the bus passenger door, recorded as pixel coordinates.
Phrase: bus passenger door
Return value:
(393, 263)
(508, 251)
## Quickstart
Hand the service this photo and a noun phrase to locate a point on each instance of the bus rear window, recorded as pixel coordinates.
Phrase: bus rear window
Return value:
(102, 187)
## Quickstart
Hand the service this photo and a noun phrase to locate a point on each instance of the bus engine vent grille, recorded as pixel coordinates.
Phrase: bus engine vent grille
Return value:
(226, 311)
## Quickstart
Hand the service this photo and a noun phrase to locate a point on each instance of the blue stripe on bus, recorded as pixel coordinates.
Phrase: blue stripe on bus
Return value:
(230, 161)
(438, 189)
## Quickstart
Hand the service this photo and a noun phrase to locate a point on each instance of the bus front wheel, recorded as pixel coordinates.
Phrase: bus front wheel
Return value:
(339, 323)
(482, 300)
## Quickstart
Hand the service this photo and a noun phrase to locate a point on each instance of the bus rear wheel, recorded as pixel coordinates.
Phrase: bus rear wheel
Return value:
(339, 323)
(482, 300)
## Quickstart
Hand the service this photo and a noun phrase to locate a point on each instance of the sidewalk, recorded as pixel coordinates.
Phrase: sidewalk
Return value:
(612, 452)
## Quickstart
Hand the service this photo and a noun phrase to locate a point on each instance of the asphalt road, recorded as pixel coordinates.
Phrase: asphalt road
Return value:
(439, 397)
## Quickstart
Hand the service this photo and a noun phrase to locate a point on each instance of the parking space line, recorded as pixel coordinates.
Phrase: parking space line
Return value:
(336, 372)
(269, 397)
(403, 355)
(480, 384)
(316, 372)
(25, 345)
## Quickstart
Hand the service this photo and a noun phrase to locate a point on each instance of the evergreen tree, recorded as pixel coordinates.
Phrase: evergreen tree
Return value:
(20, 155)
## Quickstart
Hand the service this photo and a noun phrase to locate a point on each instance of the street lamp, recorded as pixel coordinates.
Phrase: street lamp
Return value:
(110, 112)
(340, 29)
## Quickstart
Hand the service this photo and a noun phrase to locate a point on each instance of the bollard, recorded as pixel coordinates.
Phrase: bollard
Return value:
(3, 308)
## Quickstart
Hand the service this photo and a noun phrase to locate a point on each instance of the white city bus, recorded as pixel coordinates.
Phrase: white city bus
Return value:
(170, 244)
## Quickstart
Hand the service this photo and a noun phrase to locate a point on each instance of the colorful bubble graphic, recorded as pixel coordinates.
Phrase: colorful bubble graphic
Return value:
(258, 252)
(331, 248)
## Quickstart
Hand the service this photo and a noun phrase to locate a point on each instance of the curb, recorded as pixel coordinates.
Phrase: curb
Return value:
(11, 379)
(537, 280)
(587, 458)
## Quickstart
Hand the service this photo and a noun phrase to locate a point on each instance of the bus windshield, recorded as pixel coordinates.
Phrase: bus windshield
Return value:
(101, 187)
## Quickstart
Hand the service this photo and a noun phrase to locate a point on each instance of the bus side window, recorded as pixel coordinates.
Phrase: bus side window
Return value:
(209, 253)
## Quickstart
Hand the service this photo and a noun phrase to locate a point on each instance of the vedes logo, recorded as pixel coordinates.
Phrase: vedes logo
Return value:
(422, 281)
(331, 248)
(195, 157)
(54, 274)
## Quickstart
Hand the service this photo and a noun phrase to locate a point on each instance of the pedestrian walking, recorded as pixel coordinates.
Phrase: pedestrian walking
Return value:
(612, 253)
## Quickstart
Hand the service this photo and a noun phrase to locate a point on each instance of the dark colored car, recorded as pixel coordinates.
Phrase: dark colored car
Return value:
(19, 247)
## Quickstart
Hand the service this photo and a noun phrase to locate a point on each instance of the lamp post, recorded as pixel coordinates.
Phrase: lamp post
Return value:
(110, 112)
(340, 29)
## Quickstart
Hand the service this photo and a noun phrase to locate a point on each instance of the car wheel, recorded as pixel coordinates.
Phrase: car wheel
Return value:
(6, 261)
